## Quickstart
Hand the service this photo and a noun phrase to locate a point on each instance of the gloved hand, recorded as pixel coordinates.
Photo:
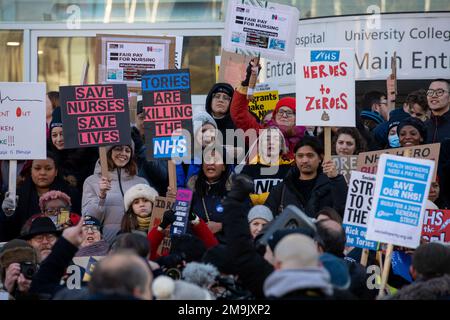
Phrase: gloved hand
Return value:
(241, 187)
(252, 67)
(8, 205)
(168, 219)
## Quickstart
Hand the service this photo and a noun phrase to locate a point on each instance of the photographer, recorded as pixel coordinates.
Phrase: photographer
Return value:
(18, 263)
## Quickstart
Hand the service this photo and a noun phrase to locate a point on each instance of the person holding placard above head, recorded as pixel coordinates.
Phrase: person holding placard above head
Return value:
(312, 184)
(348, 141)
(283, 116)
(44, 177)
(103, 197)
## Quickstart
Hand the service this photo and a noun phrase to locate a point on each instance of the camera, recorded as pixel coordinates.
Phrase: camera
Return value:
(28, 269)
(172, 264)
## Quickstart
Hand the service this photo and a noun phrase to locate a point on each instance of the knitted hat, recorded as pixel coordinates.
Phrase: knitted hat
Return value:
(201, 118)
(218, 87)
(53, 195)
(284, 102)
(56, 119)
(260, 212)
(370, 115)
(91, 221)
(278, 235)
(165, 288)
(416, 123)
(139, 191)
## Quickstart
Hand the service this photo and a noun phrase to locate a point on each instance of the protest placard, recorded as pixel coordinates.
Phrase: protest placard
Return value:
(357, 209)
(345, 165)
(436, 226)
(325, 87)
(398, 206)
(162, 204)
(95, 115)
(232, 68)
(124, 59)
(265, 98)
(261, 28)
(167, 109)
(80, 270)
(181, 208)
(368, 161)
(22, 115)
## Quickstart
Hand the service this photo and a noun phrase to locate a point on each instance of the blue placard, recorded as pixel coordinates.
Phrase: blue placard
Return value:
(165, 81)
(356, 237)
(166, 147)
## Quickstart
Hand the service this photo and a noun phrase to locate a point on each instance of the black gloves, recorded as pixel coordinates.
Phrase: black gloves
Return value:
(241, 187)
(168, 219)
(249, 74)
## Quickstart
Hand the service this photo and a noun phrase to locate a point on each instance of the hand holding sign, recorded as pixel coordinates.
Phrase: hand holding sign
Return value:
(9, 205)
(104, 186)
(329, 168)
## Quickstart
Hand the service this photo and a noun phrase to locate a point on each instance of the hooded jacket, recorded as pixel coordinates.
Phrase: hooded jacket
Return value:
(325, 193)
(108, 211)
(307, 283)
(226, 122)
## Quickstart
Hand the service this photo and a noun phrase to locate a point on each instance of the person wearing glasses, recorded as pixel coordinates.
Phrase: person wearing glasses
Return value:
(438, 126)
(93, 243)
(218, 106)
(56, 205)
(103, 197)
(283, 116)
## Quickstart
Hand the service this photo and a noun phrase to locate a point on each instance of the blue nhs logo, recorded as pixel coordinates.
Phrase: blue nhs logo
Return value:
(324, 55)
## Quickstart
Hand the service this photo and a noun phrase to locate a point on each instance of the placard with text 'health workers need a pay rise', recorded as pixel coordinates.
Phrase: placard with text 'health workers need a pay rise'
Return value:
(400, 196)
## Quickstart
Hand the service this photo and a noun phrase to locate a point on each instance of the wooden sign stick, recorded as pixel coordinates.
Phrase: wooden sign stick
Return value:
(389, 251)
(327, 143)
(364, 257)
(172, 178)
(103, 162)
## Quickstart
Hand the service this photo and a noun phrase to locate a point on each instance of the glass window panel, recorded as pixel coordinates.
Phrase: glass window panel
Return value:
(11, 51)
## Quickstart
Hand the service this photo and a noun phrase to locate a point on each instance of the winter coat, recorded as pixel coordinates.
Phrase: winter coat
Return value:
(326, 193)
(223, 123)
(108, 211)
(251, 267)
(432, 289)
(244, 120)
(28, 205)
(438, 128)
(299, 284)
(265, 182)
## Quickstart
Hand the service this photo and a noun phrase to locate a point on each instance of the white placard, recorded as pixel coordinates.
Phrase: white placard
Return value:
(261, 27)
(325, 85)
(399, 202)
(421, 42)
(22, 121)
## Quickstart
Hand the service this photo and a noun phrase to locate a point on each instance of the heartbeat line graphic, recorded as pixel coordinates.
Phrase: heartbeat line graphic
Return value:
(8, 98)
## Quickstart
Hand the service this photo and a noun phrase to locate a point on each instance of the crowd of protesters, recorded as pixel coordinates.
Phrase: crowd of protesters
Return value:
(66, 209)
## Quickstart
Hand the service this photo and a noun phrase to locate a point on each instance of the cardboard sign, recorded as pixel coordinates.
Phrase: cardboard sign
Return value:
(95, 115)
(436, 226)
(398, 207)
(182, 207)
(264, 28)
(325, 87)
(357, 209)
(22, 116)
(265, 98)
(368, 161)
(124, 59)
(161, 205)
(345, 165)
(232, 68)
(167, 110)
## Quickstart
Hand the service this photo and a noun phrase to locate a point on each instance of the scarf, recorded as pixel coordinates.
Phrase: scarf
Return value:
(143, 223)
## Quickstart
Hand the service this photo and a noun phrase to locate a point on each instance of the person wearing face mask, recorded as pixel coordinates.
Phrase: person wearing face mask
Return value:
(283, 116)
(393, 139)
(103, 197)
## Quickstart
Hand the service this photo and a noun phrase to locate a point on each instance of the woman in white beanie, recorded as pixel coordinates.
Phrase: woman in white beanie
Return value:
(138, 202)
(258, 217)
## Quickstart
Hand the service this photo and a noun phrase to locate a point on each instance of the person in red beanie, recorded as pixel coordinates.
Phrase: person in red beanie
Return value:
(283, 116)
